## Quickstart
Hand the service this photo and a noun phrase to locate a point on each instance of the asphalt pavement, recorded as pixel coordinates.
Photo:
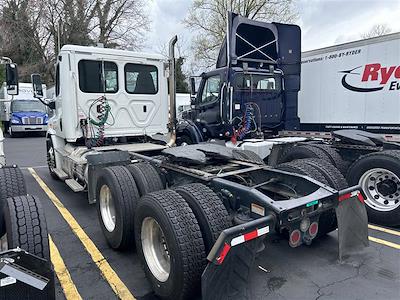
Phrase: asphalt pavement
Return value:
(280, 272)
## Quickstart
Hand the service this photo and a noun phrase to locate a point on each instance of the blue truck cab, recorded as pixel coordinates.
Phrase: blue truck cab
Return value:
(27, 115)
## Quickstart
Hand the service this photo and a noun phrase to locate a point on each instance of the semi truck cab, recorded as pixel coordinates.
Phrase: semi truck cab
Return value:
(253, 90)
(27, 115)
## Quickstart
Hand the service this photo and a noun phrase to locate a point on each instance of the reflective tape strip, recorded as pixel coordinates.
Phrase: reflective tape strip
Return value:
(352, 194)
(249, 236)
(224, 252)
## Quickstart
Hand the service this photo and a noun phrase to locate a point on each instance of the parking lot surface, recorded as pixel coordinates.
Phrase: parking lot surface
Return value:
(91, 270)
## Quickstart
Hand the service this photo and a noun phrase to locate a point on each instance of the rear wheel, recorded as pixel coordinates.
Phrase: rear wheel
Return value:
(12, 184)
(25, 226)
(335, 158)
(170, 244)
(146, 177)
(378, 174)
(117, 197)
(209, 210)
(302, 151)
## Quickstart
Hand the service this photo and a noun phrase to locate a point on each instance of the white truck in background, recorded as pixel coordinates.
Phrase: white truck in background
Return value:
(22, 113)
(354, 85)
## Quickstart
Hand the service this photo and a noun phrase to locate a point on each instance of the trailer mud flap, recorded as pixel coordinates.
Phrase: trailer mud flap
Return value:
(352, 222)
(231, 259)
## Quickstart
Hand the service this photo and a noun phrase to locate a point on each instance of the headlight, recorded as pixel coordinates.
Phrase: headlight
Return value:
(15, 121)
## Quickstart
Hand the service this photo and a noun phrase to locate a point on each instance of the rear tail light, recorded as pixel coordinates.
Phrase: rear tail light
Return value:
(295, 238)
(313, 230)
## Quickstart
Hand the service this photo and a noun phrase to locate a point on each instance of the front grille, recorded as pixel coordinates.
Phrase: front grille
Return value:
(32, 120)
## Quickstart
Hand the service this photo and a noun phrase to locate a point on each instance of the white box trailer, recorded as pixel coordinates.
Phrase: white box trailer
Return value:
(352, 86)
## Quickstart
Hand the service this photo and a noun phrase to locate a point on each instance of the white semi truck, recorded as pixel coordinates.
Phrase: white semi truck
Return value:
(196, 213)
(22, 113)
(352, 86)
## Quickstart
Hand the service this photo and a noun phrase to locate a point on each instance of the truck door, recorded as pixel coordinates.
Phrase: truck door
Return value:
(209, 103)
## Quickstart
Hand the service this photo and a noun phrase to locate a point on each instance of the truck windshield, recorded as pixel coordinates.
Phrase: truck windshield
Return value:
(257, 82)
(27, 106)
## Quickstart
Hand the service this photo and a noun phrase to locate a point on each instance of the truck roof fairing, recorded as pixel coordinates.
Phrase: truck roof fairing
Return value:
(261, 44)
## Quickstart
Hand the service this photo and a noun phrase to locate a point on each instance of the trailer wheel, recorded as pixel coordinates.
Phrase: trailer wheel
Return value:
(51, 158)
(170, 245)
(146, 177)
(12, 184)
(302, 151)
(327, 220)
(117, 197)
(247, 155)
(209, 210)
(334, 157)
(378, 174)
(25, 226)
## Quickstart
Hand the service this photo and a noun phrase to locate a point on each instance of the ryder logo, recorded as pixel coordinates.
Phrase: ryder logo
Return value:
(376, 75)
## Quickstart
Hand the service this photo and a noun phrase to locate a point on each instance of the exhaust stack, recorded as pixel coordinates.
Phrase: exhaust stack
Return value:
(172, 92)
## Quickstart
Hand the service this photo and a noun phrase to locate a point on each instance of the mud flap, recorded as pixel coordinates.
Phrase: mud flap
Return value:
(352, 222)
(25, 276)
(231, 259)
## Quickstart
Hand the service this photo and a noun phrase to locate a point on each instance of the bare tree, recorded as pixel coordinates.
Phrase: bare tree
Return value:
(208, 19)
(377, 30)
(121, 23)
(29, 29)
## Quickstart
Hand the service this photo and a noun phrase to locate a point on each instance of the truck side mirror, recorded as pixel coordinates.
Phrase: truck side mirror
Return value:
(37, 85)
(12, 79)
(192, 86)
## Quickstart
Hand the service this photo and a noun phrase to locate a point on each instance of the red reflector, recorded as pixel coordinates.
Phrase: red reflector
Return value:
(222, 255)
(344, 197)
(295, 238)
(313, 230)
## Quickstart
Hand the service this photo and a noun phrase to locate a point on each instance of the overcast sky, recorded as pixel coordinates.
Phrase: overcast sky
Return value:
(323, 22)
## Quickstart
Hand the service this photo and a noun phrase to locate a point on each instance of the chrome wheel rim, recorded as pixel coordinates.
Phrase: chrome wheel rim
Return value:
(107, 208)
(4, 243)
(382, 188)
(155, 249)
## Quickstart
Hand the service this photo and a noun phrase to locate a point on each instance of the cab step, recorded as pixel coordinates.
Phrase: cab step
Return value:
(60, 174)
(74, 185)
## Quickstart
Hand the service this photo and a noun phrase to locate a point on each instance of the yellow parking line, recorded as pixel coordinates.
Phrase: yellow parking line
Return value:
(68, 286)
(386, 230)
(106, 270)
(383, 242)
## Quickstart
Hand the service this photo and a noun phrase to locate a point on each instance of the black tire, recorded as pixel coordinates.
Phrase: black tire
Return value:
(50, 155)
(26, 225)
(247, 155)
(184, 139)
(125, 195)
(334, 177)
(183, 241)
(387, 160)
(146, 177)
(302, 151)
(209, 210)
(327, 220)
(334, 157)
(12, 184)
(302, 169)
